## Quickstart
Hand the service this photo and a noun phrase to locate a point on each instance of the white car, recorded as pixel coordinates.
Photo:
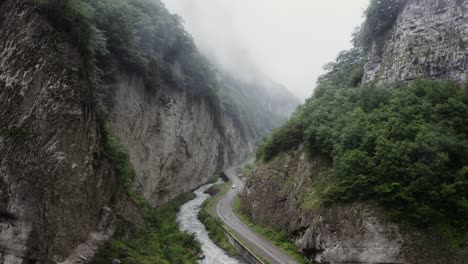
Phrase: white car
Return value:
(233, 186)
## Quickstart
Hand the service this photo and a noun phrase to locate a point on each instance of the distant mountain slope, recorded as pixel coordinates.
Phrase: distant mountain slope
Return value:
(259, 102)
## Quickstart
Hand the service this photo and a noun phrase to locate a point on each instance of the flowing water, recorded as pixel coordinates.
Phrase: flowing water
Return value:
(189, 222)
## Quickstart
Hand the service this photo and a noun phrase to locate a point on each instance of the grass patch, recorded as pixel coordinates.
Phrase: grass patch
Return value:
(216, 232)
(161, 243)
(279, 239)
(209, 204)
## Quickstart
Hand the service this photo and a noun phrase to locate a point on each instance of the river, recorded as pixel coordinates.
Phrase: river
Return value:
(188, 221)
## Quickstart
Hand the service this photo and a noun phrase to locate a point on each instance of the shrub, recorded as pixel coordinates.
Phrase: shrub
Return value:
(380, 17)
(77, 19)
(347, 70)
(287, 137)
(118, 153)
(162, 242)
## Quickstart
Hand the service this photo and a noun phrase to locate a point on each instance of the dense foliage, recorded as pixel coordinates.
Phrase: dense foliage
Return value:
(161, 243)
(346, 70)
(77, 19)
(118, 154)
(138, 36)
(144, 37)
(380, 17)
(141, 36)
(406, 146)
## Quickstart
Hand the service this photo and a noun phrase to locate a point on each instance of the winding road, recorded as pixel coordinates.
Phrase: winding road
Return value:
(260, 246)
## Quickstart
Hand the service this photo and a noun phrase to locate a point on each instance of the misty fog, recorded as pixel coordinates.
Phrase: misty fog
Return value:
(288, 40)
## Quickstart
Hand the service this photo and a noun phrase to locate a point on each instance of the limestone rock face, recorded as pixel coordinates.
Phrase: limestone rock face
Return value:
(429, 39)
(173, 141)
(58, 191)
(280, 194)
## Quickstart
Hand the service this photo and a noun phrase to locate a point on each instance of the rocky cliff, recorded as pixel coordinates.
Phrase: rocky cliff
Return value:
(428, 39)
(172, 138)
(59, 195)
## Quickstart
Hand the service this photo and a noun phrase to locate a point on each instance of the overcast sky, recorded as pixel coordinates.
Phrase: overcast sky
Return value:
(289, 40)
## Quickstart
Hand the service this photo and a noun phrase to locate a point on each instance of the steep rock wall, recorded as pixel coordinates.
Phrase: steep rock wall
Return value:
(351, 233)
(172, 137)
(429, 39)
(58, 190)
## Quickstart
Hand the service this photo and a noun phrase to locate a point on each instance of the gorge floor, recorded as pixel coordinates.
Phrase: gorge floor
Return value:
(189, 222)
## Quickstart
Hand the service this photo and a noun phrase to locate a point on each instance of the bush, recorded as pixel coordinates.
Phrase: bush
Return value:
(347, 70)
(77, 19)
(118, 153)
(162, 242)
(380, 17)
(287, 137)
(139, 35)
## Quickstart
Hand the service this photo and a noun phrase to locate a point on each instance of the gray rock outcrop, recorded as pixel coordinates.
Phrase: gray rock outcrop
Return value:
(429, 39)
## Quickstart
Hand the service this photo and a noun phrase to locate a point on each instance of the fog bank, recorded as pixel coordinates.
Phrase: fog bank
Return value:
(289, 40)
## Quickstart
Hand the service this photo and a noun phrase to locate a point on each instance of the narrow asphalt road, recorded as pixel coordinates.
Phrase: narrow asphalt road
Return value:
(261, 246)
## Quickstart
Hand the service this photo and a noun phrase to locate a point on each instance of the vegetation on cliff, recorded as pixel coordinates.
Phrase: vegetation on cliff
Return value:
(142, 37)
(404, 145)
(161, 243)
(380, 17)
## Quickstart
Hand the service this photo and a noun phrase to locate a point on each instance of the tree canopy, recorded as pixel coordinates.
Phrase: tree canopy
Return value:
(405, 146)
